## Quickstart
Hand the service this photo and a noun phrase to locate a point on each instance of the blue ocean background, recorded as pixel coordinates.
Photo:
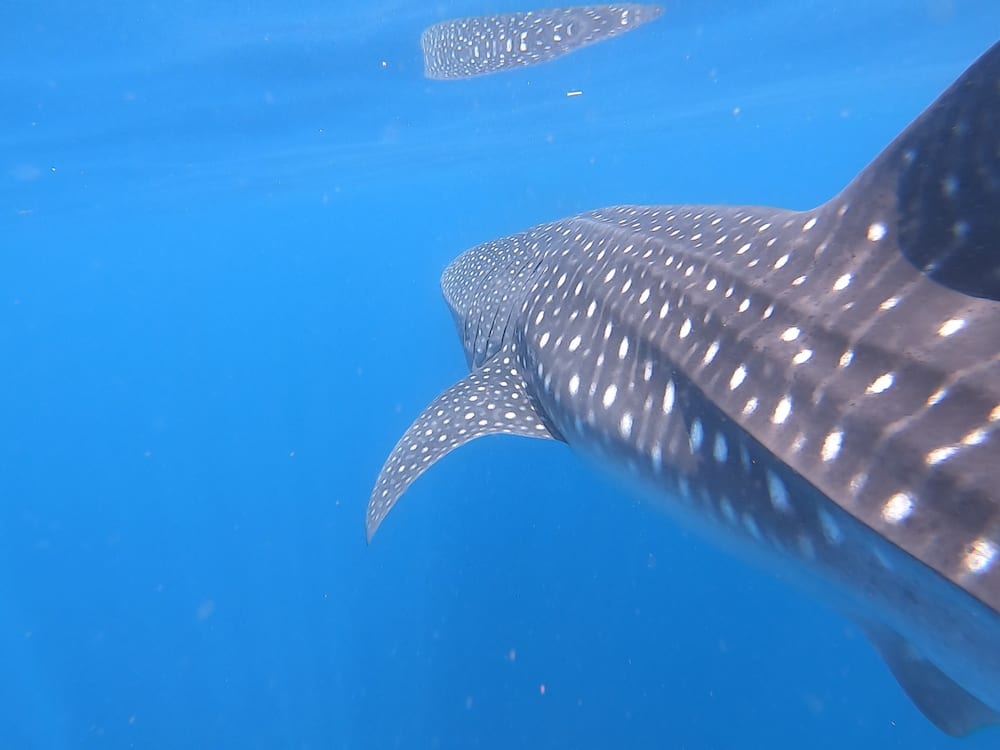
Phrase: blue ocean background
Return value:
(222, 226)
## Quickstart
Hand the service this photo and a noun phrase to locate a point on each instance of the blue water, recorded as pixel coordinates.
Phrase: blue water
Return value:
(222, 229)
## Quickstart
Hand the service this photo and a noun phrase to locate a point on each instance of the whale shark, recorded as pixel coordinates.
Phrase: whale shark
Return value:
(483, 45)
(817, 391)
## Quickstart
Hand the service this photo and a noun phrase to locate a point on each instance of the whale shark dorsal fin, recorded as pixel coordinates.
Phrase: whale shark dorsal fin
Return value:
(950, 707)
(938, 184)
(491, 400)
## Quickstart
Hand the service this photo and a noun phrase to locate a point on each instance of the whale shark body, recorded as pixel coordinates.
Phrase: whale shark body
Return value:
(817, 390)
(483, 45)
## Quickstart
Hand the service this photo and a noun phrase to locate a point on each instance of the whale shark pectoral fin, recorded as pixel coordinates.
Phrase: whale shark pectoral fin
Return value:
(492, 400)
(944, 702)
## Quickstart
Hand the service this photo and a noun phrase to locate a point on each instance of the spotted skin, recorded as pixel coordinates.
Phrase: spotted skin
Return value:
(491, 401)
(817, 390)
(470, 47)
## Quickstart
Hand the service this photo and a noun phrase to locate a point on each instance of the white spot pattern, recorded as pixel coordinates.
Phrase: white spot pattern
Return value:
(778, 493)
(782, 411)
(832, 445)
(721, 451)
(897, 508)
(610, 394)
(882, 383)
(738, 376)
(876, 232)
(981, 556)
(951, 327)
